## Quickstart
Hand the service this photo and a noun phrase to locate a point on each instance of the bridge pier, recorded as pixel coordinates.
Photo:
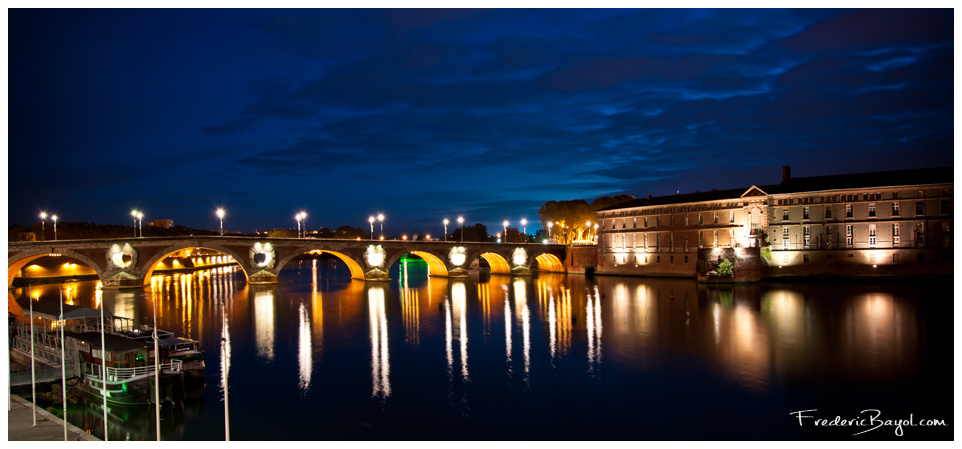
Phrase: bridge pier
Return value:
(263, 277)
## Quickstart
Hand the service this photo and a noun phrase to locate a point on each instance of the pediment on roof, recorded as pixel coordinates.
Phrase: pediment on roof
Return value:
(754, 191)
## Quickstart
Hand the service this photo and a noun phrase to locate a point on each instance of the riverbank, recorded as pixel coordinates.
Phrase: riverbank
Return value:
(49, 428)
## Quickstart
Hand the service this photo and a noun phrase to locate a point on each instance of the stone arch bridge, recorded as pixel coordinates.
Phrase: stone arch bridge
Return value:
(129, 263)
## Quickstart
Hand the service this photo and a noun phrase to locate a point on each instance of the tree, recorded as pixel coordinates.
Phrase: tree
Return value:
(570, 219)
(725, 269)
(351, 233)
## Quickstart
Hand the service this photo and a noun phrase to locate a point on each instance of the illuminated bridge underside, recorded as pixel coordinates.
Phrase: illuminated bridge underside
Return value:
(435, 264)
(356, 271)
(498, 264)
(129, 263)
(550, 262)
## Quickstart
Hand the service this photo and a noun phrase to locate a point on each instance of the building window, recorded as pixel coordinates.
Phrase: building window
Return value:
(808, 237)
(701, 239)
(920, 234)
(848, 211)
(686, 220)
(716, 217)
(945, 207)
(896, 236)
(895, 209)
(805, 258)
(671, 220)
(849, 238)
(806, 214)
(657, 222)
(671, 242)
(871, 235)
(646, 243)
(634, 223)
(701, 219)
(828, 211)
(785, 232)
(657, 242)
(624, 224)
(731, 216)
(671, 259)
(871, 210)
(919, 208)
(716, 238)
(624, 240)
(686, 259)
(686, 242)
(785, 214)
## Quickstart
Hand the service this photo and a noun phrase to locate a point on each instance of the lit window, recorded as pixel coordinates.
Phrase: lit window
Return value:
(805, 213)
(716, 235)
(896, 236)
(785, 214)
(871, 235)
(895, 209)
(848, 211)
(731, 216)
(849, 238)
(871, 210)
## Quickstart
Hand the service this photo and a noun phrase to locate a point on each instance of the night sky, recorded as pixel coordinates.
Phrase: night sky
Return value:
(427, 114)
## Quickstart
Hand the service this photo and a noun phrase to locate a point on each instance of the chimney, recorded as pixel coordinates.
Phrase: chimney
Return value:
(649, 197)
(786, 173)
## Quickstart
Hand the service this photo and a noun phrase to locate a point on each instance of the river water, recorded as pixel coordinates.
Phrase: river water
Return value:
(548, 357)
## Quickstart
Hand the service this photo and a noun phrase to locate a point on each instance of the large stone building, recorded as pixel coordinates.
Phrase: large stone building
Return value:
(868, 224)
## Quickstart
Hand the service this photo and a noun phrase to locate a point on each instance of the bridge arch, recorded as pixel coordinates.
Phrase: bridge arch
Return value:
(436, 264)
(497, 262)
(357, 272)
(22, 259)
(151, 263)
(550, 262)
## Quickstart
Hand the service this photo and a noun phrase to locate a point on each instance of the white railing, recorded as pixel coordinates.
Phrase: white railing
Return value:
(121, 374)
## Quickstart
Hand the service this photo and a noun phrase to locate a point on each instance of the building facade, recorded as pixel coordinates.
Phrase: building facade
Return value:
(869, 224)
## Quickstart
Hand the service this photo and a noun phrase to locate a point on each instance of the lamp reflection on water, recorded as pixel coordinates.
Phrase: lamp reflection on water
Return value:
(380, 361)
(507, 328)
(524, 314)
(593, 312)
(264, 323)
(304, 361)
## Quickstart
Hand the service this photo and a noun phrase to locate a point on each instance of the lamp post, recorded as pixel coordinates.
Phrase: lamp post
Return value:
(445, 229)
(43, 216)
(371, 221)
(220, 214)
(524, 226)
(461, 223)
(54, 218)
(133, 214)
(304, 219)
(549, 229)
(301, 216)
(505, 230)
(140, 223)
(588, 230)
(380, 218)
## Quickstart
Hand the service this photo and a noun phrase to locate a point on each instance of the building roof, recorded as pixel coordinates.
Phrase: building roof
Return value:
(894, 178)
(679, 199)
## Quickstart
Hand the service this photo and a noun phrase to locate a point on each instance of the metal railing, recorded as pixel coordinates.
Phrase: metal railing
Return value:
(121, 374)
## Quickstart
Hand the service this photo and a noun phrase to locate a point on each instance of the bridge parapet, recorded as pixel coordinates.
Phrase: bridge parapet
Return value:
(129, 263)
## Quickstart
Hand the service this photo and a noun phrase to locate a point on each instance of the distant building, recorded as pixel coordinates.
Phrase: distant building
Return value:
(868, 224)
(162, 223)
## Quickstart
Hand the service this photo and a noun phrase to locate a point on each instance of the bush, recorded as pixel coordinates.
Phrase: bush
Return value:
(725, 268)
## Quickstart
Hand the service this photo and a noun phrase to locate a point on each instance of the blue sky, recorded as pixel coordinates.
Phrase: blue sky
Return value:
(423, 114)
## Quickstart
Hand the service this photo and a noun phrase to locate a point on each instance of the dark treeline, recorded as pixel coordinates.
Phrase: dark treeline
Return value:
(67, 230)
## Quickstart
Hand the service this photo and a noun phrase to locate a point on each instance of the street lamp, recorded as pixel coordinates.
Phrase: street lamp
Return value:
(524, 226)
(371, 220)
(588, 231)
(461, 223)
(301, 216)
(54, 218)
(445, 229)
(140, 222)
(550, 224)
(43, 216)
(220, 214)
(133, 214)
(380, 218)
(505, 230)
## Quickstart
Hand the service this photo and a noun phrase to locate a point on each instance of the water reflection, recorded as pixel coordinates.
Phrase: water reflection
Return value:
(380, 361)
(264, 323)
(594, 328)
(766, 342)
